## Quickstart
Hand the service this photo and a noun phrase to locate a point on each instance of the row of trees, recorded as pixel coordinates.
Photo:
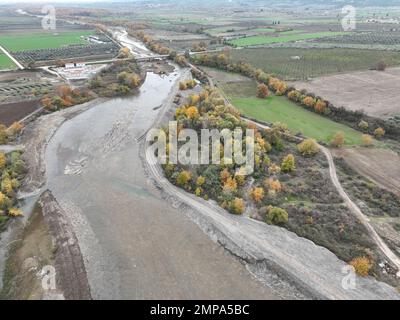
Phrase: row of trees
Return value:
(303, 98)
(65, 97)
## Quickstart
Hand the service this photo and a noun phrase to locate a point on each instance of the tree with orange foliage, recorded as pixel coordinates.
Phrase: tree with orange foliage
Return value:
(338, 139)
(47, 103)
(257, 194)
(262, 91)
(320, 106)
(224, 175)
(63, 90)
(361, 265)
(192, 113)
(309, 101)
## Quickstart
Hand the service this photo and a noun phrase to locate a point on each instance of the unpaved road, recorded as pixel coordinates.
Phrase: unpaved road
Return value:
(134, 244)
(313, 270)
(355, 209)
(358, 213)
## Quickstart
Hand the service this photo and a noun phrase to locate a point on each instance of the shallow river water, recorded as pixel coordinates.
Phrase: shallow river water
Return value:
(134, 244)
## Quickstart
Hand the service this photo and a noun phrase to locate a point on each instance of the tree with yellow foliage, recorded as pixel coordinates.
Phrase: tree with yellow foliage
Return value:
(183, 178)
(237, 206)
(3, 160)
(257, 194)
(367, 140)
(308, 147)
(379, 132)
(288, 163)
(200, 181)
(14, 129)
(361, 265)
(194, 99)
(3, 200)
(6, 187)
(240, 179)
(15, 212)
(3, 134)
(182, 86)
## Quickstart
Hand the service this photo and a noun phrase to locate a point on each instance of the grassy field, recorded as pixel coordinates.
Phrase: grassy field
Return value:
(280, 109)
(6, 62)
(42, 40)
(260, 40)
(313, 62)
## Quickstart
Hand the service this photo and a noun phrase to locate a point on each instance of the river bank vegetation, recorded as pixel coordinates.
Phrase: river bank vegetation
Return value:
(290, 186)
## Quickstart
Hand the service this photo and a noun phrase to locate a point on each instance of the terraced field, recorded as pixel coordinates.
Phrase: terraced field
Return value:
(43, 40)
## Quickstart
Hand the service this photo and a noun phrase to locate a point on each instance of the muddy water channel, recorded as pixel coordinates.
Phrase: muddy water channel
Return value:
(134, 244)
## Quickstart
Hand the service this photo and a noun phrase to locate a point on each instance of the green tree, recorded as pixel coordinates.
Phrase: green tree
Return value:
(277, 216)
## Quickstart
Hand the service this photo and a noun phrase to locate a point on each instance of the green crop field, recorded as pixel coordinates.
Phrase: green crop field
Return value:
(42, 40)
(299, 64)
(280, 109)
(6, 62)
(260, 40)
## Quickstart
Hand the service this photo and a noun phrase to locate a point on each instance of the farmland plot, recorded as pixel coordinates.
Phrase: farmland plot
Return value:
(373, 92)
(296, 63)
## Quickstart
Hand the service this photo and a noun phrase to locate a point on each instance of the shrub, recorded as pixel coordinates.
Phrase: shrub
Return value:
(308, 147)
(320, 106)
(3, 160)
(262, 91)
(309, 102)
(367, 140)
(183, 178)
(277, 216)
(381, 65)
(338, 139)
(257, 194)
(379, 132)
(363, 125)
(237, 206)
(288, 163)
(361, 265)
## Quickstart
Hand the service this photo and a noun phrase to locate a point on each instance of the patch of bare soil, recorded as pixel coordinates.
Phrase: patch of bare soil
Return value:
(374, 92)
(381, 166)
(12, 112)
